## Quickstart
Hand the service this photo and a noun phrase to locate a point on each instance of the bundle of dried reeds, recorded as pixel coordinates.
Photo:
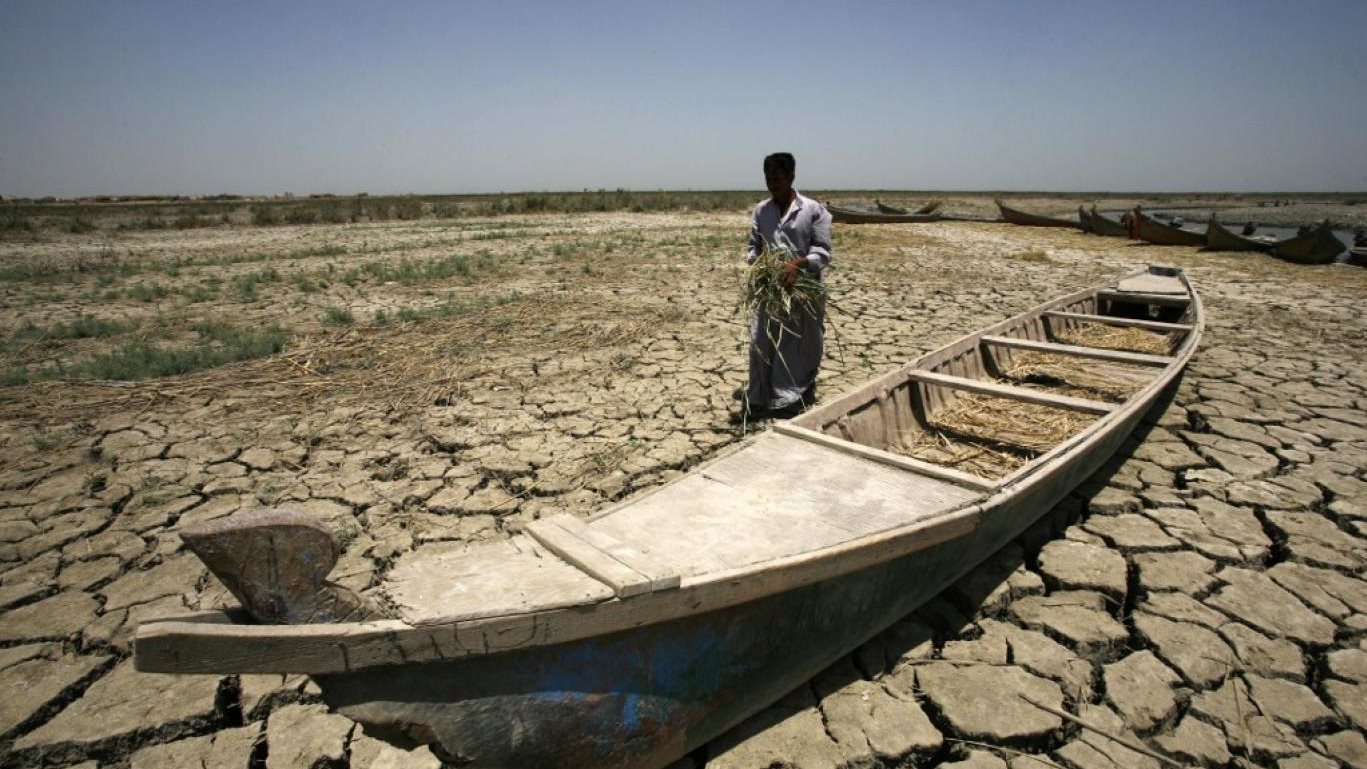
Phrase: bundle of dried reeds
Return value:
(768, 290)
(991, 436)
(1125, 338)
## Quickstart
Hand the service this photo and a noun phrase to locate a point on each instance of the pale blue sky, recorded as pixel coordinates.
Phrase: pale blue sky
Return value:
(182, 97)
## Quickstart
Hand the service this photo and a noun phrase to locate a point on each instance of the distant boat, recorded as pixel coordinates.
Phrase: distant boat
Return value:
(1218, 238)
(1154, 231)
(928, 208)
(1034, 220)
(1318, 246)
(842, 215)
(1358, 256)
(884, 208)
(1099, 224)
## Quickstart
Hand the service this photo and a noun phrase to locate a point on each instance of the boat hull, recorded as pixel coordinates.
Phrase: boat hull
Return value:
(1161, 234)
(1100, 225)
(850, 216)
(1319, 246)
(1219, 238)
(1013, 216)
(642, 698)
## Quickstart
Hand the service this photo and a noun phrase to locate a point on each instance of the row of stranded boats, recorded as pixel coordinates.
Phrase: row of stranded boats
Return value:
(1316, 245)
(626, 639)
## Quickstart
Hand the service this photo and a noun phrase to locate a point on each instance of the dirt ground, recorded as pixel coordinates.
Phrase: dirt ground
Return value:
(455, 379)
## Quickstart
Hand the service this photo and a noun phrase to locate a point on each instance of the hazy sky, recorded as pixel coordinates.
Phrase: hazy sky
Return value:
(250, 97)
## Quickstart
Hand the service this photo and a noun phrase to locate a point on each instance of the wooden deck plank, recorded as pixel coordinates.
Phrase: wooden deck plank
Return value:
(638, 557)
(1119, 356)
(623, 580)
(958, 477)
(1108, 320)
(446, 583)
(781, 497)
(1040, 397)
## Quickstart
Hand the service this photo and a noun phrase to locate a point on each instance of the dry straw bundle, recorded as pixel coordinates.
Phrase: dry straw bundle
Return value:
(764, 291)
(1124, 338)
(991, 436)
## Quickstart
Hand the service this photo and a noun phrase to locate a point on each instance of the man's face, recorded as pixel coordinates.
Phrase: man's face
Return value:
(779, 182)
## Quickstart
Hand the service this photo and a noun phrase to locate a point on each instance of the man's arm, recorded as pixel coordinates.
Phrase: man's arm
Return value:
(756, 239)
(819, 255)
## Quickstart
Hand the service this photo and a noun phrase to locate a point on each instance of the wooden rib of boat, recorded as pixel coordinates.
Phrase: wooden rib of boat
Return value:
(1033, 220)
(1154, 231)
(1318, 246)
(639, 633)
(884, 208)
(1101, 225)
(1220, 238)
(841, 215)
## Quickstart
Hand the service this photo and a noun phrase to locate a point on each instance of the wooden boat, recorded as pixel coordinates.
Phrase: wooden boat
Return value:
(1101, 225)
(842, 215)
(1219, 238)
(1033, 220)
(1318, 246)
(1358, 256)
(1154, 231)
(928, 208)
(642, 632)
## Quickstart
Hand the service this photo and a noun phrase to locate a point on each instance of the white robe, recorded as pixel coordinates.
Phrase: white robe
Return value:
(785, 352)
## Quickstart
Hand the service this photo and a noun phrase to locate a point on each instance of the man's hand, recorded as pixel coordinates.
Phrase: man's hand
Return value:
(791, 270)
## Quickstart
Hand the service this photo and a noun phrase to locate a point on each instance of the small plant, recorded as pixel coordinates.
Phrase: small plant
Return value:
(338, 316)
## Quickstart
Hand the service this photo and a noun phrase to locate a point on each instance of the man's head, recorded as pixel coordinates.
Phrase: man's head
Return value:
(780, 169)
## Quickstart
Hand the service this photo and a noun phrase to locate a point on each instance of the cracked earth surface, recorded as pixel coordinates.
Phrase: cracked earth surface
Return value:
(1201, 597)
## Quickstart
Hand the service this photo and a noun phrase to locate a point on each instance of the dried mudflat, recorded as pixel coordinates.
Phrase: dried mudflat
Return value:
(1202, 596)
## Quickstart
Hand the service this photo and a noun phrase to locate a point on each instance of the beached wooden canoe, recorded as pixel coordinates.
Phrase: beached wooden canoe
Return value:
(633, 636)
(1033, 220)
(1220, 238)
(1154, 231)
(841, 215)
(1318, 246)
(1358, 256)
(1098, 224)
(884, 208)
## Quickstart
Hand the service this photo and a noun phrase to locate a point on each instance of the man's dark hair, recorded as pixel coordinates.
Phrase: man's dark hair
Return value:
(783, 161)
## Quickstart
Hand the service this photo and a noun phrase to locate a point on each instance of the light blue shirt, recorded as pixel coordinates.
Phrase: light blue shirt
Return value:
(804, 229)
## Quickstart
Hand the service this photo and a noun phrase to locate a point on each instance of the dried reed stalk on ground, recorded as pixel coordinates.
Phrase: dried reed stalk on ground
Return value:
(1125, 338)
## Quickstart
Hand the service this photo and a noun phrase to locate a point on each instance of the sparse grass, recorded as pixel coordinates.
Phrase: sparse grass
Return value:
(338, 316)
(85, 327)
(1034, 255)
(218, 344)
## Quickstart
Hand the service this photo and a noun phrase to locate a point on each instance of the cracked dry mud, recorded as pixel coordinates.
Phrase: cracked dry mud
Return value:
(1201, 596)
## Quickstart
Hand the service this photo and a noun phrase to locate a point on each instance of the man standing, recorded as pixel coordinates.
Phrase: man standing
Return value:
(785, 352)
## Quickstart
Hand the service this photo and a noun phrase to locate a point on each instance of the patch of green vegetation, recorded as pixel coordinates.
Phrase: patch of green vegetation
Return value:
(218, 344)
(146, 292)
(85, 327)
(338, 316)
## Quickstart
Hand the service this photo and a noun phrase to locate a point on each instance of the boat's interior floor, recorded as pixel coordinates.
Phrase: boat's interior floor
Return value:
(779, 496)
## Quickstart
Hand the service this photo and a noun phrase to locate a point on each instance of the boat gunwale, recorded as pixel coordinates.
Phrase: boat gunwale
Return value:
(214, 643)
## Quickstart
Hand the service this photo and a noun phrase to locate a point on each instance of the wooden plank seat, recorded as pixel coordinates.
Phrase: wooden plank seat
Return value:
(1110, 320)
(1015, 393)
(1135, 297)
(627, 570)
(1082, 352)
